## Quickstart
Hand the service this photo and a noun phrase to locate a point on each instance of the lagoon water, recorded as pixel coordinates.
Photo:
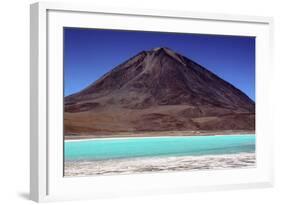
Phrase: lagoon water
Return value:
(169, 146)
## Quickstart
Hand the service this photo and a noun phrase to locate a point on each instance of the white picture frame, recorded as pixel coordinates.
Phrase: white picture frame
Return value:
(46, 157)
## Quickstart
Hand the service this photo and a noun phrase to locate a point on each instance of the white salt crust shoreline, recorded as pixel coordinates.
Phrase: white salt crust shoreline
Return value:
(159, 164)
(117, 138)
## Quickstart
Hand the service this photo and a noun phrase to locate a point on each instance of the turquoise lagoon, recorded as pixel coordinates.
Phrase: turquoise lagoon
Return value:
(166, 146)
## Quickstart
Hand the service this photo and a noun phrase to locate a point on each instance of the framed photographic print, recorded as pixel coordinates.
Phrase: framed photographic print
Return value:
(128, 102)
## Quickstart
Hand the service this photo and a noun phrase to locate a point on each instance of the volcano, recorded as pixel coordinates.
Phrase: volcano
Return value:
(158, 90)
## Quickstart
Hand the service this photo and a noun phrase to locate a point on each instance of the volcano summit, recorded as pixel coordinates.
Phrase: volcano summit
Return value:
(158, 91)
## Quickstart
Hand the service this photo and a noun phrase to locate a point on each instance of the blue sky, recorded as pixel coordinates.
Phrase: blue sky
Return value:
(89, 53)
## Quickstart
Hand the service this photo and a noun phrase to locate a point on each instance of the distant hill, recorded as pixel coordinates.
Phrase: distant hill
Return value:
(158, 90)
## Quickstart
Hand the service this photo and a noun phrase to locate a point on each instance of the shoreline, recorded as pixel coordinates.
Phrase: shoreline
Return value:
(124, 138)
(159, 164)
(68, 138)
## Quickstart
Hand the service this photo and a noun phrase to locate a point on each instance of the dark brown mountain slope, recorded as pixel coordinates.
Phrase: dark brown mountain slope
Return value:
(158, 90)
